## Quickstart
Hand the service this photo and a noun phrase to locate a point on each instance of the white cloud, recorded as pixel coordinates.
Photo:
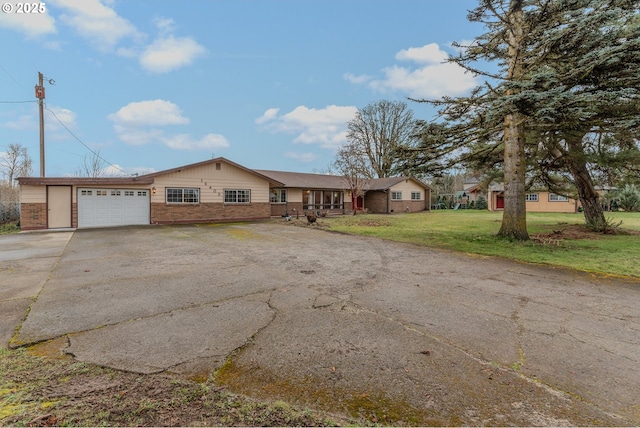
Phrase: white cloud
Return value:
(116, 170)
(149, 113)
(22, 123)
(97, 22)
(427, 54)
(138, 137)
(326, 127)
(302, 157)
(143, 122)
(430, 77)
(363, 78)
(268, 115)
(185, 142)
(30, 24)
(169, 53)
(64, 115)
(165, 25)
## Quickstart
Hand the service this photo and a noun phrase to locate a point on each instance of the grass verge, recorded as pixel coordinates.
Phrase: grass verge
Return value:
(557, 239)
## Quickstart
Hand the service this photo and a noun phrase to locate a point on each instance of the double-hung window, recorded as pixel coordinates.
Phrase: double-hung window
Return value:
(416, 196)
(176, 195)
(396, 196)
(237, 196)
(557, 198)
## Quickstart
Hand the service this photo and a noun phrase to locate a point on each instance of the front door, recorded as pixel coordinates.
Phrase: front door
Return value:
(59, 206)
(500, 202)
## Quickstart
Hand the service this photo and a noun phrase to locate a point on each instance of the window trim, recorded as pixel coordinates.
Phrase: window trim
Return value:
(416, 196)
(535, 197)
(396, 195)
(278, 196)
(196, 191)
(236, 202)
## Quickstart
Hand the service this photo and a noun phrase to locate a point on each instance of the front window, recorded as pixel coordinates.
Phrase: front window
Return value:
(278, 196)
(325, 200)
(396, 196)
(532, 197)
(416, 196)
(182, 195)
(557, 198)
(237, 196)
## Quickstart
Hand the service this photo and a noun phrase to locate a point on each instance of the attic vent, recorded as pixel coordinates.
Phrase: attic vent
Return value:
(218, 166)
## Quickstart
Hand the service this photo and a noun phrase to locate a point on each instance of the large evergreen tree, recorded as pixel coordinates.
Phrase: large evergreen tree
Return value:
(566, 69)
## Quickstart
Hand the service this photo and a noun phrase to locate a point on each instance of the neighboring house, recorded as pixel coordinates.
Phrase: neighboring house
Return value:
(396, 195)
(211, 191)
(473, 190)
(536, 201)
(214, 190)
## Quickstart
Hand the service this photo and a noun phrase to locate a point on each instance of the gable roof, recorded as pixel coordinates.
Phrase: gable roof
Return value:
(84, 181)
(305, 180)
(324, 181)
(272, 181)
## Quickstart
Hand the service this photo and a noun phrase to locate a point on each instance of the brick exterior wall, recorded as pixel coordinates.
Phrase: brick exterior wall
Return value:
(278, 210)
(376, 202)
(33, 216)
(406, 206)
(74, 214)
(162, 213)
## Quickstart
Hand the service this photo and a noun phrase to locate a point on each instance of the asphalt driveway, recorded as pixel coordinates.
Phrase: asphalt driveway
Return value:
(336, 322)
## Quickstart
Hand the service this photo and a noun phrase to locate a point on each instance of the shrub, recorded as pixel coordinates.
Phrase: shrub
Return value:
(629, 198)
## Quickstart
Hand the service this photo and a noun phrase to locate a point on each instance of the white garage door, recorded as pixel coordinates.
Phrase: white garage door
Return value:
(112, 207)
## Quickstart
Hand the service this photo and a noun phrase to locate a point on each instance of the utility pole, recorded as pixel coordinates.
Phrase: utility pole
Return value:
(40, 97)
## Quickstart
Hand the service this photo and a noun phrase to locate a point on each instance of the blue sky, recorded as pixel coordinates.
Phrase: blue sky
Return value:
(269, 84)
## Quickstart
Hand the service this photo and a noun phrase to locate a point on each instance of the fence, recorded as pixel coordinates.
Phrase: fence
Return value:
(9, 211)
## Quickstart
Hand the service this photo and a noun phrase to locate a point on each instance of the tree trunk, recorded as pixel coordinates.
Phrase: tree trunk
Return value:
(514, 218)
(577, 163)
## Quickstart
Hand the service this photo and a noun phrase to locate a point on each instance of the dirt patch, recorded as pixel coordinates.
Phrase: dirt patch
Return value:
(571, 232)
(40, 387)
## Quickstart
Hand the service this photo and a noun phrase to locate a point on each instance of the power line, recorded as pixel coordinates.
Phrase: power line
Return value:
(81, 142)
(17, 102)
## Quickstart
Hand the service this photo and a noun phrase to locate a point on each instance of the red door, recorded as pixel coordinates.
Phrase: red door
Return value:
(359, 203)
(500, 202)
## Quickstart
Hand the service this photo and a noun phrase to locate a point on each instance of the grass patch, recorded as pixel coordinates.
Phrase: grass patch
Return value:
(7, 228)
(557, 239)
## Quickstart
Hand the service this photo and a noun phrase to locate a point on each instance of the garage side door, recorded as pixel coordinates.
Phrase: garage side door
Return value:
(112, 207)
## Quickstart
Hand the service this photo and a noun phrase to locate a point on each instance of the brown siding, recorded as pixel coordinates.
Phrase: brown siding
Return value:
(33, 216)
(208, 212)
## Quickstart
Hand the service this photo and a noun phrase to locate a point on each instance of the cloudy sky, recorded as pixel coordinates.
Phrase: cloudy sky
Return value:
(269, 84)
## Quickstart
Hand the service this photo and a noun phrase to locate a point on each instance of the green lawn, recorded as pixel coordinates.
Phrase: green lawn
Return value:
(475, 232)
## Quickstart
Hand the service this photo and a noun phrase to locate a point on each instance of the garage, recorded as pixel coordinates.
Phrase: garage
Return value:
(112, 207)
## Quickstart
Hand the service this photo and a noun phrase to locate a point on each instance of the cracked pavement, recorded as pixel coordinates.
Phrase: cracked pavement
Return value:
(329, 321)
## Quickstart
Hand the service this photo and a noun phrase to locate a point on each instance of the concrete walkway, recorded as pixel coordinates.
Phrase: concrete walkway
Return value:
(26, 261)
(340, 323)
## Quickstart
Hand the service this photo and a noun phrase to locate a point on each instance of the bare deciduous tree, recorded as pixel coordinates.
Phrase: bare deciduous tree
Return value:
(15, 163)
(91, 166)
(351, 164)
(378, 131)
